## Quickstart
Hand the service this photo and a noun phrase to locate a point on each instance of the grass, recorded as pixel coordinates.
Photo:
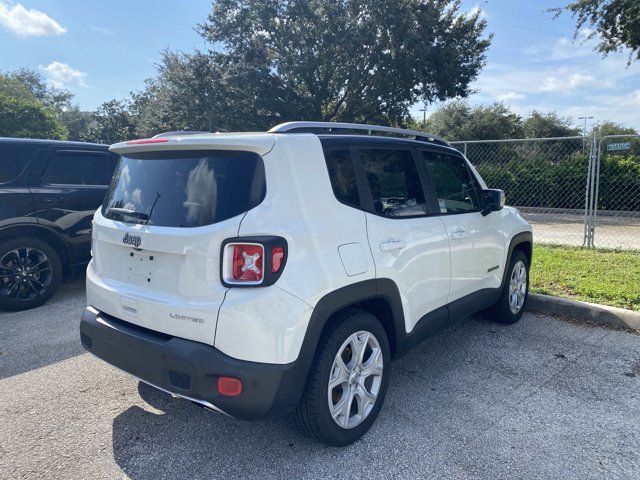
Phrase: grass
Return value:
(608, 277)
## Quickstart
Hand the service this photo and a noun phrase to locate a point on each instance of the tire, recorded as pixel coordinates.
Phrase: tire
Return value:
(30, 273)
(314, 414)
(501, 311)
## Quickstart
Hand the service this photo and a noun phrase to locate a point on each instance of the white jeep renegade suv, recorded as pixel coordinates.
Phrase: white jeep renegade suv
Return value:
(262, 273)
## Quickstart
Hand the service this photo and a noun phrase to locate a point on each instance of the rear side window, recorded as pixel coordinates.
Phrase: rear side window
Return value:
(12, 162)
(342, 176)
(455, 188)
(394, 182)
(184, 188)
(79, 168)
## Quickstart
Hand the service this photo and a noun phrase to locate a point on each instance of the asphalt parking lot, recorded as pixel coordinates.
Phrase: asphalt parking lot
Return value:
(542, 399)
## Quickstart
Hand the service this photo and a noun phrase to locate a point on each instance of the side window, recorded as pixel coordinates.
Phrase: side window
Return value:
(12, 162)
(81, 168)
(394, 182)
(455, 188)
(342, 176)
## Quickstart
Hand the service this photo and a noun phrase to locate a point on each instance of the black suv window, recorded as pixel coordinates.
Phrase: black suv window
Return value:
(79, 168)
(184, 188)
(12, 162)
(455, 187)
(394, 182)
(342, 176)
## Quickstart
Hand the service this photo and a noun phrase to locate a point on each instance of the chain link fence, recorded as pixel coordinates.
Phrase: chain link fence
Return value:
(574, 191)
(615, 217)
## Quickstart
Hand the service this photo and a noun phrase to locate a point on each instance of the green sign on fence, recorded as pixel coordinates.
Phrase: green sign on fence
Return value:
(613, 147)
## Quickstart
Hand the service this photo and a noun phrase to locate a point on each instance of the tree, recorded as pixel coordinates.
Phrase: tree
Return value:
(26, 117)
(615, 23)
(29, 85)
(459, 120)
(200, 91)
(112, 122)
(603, 129)
(349, 60)
(548, 125)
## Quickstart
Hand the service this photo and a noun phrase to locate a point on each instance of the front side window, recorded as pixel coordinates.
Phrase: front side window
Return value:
(342, 176)
(184, 188)
(86, 168)
(12, 162)
(394, 182)
(455, 188)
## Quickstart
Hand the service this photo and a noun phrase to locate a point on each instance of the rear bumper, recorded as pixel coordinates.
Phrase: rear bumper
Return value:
(191, 369)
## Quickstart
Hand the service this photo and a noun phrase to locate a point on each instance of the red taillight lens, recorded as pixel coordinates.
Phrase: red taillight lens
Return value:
(248, 263)
(229, 386)
(277, 255)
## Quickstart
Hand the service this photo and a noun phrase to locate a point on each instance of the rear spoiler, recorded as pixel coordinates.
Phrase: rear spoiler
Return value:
(260, 143)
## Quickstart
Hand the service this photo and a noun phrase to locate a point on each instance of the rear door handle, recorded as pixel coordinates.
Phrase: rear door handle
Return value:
(53, 199)
(459, 233)
(392, 245)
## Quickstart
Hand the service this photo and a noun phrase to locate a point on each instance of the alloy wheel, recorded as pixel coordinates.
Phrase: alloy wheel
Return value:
(25, 273)
(355, 379)
(517, 287)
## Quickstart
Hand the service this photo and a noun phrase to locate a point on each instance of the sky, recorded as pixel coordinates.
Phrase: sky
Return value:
(104, 49)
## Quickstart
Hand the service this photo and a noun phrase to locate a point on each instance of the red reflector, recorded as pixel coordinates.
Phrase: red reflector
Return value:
(277, 254)
(147, 140)
(248, 263)
(229, 386)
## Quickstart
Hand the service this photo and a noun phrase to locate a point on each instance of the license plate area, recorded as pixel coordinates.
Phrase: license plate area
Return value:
(141, 267)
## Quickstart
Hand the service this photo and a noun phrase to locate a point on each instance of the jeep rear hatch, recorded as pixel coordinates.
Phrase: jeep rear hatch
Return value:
(158, 236)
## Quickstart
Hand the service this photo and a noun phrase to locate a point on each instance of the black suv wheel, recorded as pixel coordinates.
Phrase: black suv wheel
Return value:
(30, 273)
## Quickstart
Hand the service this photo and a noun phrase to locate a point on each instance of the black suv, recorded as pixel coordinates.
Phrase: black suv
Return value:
(49, 191)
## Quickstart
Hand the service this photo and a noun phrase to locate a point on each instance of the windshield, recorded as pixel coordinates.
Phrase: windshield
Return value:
(184, 188)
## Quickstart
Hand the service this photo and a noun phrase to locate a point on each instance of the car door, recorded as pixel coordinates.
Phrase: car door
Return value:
(408, 241)
(68, 189)
(477, 245)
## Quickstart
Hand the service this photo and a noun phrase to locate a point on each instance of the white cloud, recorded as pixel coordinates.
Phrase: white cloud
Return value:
(478, 9)
(30, 22)
(510, 96)
(504, 82)
(565, 83)
(63, 75)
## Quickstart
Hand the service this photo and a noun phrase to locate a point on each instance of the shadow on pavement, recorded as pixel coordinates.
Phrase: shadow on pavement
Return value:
(41, 336)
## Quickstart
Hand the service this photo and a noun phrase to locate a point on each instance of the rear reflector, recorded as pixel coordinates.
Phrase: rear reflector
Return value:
(147, 140)
(229, 386)
(277, 254)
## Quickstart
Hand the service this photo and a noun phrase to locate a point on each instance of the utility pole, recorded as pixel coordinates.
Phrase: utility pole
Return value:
(424, 117)
(584, 130)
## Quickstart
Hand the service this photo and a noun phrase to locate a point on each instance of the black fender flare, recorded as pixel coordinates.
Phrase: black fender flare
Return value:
(516, 240)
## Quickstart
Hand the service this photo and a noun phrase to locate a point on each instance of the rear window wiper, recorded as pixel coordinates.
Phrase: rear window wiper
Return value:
(129, 212)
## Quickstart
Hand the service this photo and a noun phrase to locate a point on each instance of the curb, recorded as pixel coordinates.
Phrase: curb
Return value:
(584, 311)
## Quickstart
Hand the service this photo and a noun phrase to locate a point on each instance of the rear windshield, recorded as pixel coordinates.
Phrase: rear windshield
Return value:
(184, 188)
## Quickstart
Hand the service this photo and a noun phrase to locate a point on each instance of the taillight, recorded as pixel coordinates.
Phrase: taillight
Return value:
(253, 261)
(277, 255)
(248, 263)
(144, 141)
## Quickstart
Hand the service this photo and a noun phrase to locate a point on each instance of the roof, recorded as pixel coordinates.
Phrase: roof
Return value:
(45, 142)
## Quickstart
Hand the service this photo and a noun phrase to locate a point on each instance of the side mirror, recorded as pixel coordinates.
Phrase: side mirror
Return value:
(493, 200)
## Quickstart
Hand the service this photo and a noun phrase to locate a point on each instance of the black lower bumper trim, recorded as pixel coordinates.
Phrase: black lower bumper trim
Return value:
(191, 369)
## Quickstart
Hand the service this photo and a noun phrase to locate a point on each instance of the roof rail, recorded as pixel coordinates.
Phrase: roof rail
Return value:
(354, 128)
(178, 132)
